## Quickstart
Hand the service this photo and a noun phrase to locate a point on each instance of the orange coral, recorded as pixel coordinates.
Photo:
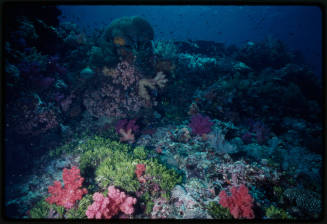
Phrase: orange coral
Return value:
(119, 41)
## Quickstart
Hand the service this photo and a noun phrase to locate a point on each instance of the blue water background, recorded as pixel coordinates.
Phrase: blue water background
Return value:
(299, 27)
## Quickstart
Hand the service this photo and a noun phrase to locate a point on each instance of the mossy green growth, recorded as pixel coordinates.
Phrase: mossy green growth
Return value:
(93, 143)
(95, 150)
(117, 170)
(147, 199)
(40, 210)
(148, 207)
(65, 148)
(164, 177)
(139, 152)
(278, 192)
(218, 212)
(79, 212)
(277, 213)
(59, 209)
(114, 163)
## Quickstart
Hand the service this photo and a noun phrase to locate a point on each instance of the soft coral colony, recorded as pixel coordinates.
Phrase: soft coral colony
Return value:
(132, 146)
(119, 170)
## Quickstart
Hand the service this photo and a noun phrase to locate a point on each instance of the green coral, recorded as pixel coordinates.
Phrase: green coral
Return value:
(79, 212)
(148, 201)
(66, 148)
(139, 152)
(40, 210)
(277, 213)
(218, 212)
(278, 192)
(114, 163)
(149, 207)
(60, 210)
(164, 177)
(95, 150)
(117, 170)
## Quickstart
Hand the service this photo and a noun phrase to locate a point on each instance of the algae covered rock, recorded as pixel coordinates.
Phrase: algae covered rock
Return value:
(128, 31)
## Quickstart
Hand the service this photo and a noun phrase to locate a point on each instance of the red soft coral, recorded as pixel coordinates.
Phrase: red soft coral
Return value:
(239, 203)
(140, 168)
(67, 196)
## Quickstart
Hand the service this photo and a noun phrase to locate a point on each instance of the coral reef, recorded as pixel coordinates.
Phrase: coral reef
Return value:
(158, 128)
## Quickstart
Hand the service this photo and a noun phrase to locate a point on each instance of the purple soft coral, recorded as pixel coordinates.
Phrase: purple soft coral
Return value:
(200, 124)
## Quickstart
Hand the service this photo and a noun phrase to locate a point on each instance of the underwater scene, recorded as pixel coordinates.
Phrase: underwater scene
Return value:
(162, 112)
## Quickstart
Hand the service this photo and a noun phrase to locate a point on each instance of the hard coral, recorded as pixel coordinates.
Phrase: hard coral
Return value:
(239, 203)
(159, 80)
(133, 29)
(35, 117)
(111, 98)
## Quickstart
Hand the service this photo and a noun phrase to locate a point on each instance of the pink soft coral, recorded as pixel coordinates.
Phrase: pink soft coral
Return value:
(67, 196)
(100, 207)
(107, 207)
(239, 203)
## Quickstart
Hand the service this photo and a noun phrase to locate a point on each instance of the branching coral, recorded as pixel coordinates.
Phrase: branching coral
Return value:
(159, 80)
(115, 97)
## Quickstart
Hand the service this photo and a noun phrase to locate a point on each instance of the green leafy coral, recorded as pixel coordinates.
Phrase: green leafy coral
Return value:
(139, 152)
(115, 163)
(40, 210)
(164, 177)
(79, 212)
(277, 213)
(118, 170)
(218, 212)
(95, 150)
